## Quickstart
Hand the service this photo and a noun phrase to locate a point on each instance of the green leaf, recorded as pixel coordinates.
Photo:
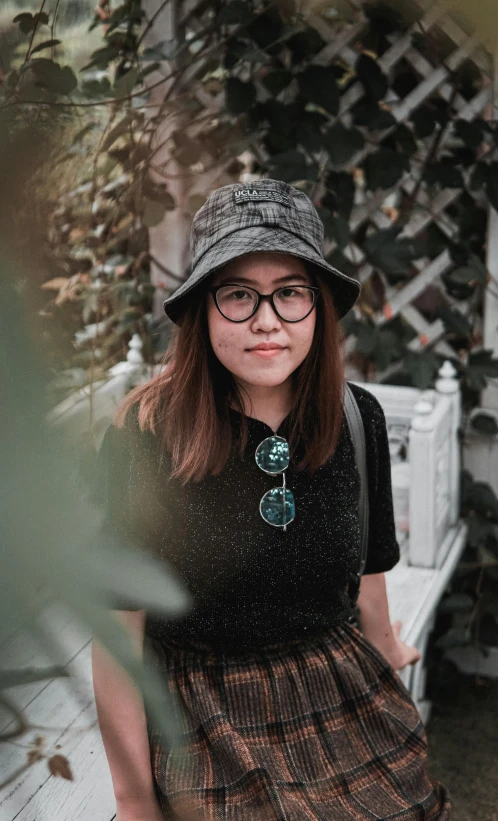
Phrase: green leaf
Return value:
(95, 88)
(424, 121)
(304, 45)
(341, 189)
(474, 271)
(83, 132)
(290, 166)
(236, 13)
(276, 81)
(318, 85)
(455, 637)
(153, 213)
(116, 132)
(393, 257)
(349, 323)
(478, 176)
(372, 77)
(404, 139)
(454, 321)
(456, 603)
(366, 339)
(53, 77)
(480, 366)
(422, 367)
(309, 133)
(445, 173)
(484, 501)
(102, 57)
(492, 184)
(46, 44)
(343, 143)
(26, 21)
(336, 227)
(239, 95)
(484, 423)
(471, 133)
(124, 85)
(373, 117)
(164, 50)
(12, 79)
(384, 168)
(187, 150)
(265, 28)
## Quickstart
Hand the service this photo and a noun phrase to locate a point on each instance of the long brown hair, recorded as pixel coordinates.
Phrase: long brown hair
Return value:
(187, 402)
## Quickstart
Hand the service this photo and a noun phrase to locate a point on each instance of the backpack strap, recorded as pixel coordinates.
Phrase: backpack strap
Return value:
(357, 432)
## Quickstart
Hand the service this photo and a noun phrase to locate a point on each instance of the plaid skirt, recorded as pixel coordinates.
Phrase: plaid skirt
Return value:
(320, 728)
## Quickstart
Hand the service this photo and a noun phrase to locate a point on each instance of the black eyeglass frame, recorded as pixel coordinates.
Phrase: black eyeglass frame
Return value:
(215, 288)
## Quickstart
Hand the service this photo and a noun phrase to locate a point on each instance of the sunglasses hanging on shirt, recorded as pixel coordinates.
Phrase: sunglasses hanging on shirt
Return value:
(277, 506)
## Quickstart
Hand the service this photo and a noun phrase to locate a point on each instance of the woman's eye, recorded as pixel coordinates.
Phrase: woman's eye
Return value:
(238, 293)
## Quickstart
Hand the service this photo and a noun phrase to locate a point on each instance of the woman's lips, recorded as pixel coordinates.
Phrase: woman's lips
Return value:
(267, 354)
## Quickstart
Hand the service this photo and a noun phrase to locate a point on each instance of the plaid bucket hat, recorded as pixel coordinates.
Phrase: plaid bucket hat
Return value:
(262, 216)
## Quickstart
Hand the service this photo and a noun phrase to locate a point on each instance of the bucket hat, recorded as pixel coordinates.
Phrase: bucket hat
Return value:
(262, 216)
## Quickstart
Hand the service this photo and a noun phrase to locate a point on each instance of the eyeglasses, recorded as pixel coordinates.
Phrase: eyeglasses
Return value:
(277, 506)
(291, 303)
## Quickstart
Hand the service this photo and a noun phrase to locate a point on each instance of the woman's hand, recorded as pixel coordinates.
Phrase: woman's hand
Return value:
(403, 654)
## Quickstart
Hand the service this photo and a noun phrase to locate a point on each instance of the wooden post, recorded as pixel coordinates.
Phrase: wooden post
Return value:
(169, 240)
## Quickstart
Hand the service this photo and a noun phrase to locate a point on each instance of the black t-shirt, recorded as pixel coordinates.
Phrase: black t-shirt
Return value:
(252, 583)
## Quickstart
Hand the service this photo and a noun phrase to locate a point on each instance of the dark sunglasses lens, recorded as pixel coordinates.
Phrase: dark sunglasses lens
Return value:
(272, 454)
(277, 509)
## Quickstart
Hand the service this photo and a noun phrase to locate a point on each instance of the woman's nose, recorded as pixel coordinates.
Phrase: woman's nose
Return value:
(266, 315)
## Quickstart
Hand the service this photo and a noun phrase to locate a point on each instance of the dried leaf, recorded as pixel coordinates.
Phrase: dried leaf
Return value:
(59, 765)
(55, 284)
(34, 756)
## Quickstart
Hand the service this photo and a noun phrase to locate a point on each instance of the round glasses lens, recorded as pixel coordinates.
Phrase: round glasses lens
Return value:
(272, 454)
(236, 302)
(294, 302)
(276, 508)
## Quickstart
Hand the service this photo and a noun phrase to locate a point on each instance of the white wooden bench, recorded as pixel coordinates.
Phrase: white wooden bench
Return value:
(63, 712)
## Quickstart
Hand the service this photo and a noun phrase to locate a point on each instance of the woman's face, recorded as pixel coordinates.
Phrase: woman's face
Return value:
(232, 341)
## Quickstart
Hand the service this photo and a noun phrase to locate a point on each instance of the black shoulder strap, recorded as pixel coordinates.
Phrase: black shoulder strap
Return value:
(355, 423)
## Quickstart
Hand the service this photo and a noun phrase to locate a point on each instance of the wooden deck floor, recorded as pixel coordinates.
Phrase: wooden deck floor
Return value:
(61, 712)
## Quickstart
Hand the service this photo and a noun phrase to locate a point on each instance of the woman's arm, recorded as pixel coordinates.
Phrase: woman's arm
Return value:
(123, 726)
(375, 623)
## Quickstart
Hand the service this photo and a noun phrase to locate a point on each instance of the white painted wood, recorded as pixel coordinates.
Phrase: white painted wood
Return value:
(433, 455)
(447, 385)
(62, 711)
(413, 595)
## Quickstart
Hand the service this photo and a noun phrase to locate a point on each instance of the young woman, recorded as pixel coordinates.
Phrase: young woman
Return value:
(236, 466)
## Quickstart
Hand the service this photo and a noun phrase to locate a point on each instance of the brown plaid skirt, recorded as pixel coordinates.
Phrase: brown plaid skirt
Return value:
(320, 729)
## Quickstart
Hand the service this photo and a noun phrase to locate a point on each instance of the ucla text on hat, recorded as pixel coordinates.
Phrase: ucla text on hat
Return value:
(258, 194)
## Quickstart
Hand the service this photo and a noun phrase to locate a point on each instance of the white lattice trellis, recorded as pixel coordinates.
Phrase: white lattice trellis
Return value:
(370, 208)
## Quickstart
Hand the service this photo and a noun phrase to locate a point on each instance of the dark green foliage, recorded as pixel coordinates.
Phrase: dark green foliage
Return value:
(317, 85)
(384, 168)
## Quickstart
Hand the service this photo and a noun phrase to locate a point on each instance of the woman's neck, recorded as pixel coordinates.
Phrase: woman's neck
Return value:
(269, 405)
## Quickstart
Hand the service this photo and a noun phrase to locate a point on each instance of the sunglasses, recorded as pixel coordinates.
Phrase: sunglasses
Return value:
(277, 506)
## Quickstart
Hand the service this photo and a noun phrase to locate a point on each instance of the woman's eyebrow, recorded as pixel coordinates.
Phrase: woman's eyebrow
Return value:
(286, 278)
